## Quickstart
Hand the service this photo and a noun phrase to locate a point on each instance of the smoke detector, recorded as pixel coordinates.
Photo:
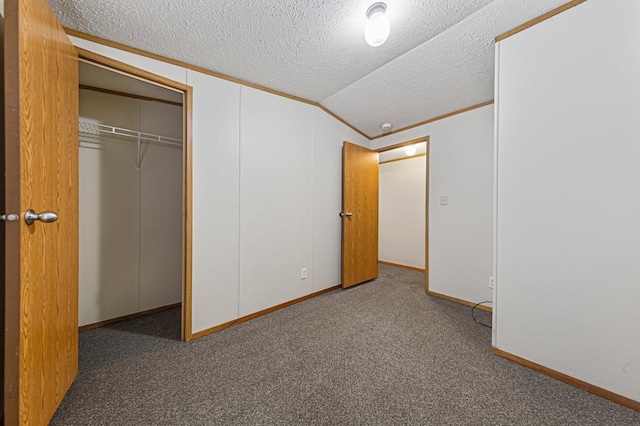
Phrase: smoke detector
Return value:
(386, 127)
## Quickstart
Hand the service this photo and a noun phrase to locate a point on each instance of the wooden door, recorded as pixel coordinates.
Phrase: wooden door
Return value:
(41, 259)
(359, 214)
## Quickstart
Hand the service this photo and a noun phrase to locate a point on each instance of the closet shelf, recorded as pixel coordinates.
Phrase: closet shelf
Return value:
(89, 128)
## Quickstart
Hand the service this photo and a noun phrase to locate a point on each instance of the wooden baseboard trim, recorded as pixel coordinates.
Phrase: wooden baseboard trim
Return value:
(261, 313)
(399, 265)
(460, 301)
(127, 317)
(611, 396)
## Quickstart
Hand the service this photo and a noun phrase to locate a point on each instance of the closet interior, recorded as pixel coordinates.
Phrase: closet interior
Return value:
(130, 195)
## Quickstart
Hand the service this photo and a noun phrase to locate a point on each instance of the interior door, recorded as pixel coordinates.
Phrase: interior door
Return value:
(360, 177)
(41, 258)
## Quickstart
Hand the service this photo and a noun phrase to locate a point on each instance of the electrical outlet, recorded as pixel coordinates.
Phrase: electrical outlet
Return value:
(303, 274)
(444, 200)
(491, 282)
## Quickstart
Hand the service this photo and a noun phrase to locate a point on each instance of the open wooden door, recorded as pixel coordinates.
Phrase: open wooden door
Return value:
(41, 258)
(360, 177)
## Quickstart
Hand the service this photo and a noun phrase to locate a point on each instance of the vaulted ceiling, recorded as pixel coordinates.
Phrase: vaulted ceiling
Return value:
(439, 56)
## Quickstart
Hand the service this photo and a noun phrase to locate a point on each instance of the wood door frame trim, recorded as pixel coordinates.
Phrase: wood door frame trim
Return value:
(580, 384)
(12, 233)
(187, 173)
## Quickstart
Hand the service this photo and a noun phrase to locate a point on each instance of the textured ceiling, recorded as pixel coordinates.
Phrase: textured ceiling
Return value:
(438, 58)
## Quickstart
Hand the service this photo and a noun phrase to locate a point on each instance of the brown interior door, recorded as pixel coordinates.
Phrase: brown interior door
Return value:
(359, 214)
(41, 259)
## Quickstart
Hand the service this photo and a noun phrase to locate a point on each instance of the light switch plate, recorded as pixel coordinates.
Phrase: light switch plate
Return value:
(444, 200)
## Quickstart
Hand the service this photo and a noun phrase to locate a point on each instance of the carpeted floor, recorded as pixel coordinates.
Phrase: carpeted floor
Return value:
(381, 353)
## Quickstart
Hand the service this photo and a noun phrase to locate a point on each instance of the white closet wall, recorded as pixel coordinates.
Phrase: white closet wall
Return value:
(130, 224)
(568, 102)
(402, 217)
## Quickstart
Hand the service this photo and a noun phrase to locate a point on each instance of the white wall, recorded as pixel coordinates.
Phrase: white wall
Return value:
(130, 223)
(402, 222)
(266, 194)
(216, 200)
(568, 201)
(460, 234)
(275, 198)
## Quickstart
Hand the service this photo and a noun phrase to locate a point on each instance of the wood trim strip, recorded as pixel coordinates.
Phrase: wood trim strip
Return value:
(128, 95)
(127, 317)
(401, 144)
(426, 212)
(539, 19)
(431, 120)
(220, 327)
(399, 265)
(187, 273)
(460, 301)
(246, 83)
(403, 158)
(11, 192)
(580, 384)
(331, 113)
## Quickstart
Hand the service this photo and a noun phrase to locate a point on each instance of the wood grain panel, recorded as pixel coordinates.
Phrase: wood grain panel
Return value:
(360, 231)
(44, 117)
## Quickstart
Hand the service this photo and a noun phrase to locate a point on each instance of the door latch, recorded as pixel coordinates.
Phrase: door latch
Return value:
(9, 217)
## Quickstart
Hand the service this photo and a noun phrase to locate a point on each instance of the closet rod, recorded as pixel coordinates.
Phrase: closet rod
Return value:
(96, 129)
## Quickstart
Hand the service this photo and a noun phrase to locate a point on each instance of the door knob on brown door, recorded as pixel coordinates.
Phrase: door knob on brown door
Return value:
(347, 214)
(31, 216)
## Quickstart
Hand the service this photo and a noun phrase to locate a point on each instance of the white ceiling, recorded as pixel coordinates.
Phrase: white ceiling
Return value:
(438, 58)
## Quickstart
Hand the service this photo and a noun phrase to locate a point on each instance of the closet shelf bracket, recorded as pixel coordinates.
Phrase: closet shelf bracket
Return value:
(95, 130)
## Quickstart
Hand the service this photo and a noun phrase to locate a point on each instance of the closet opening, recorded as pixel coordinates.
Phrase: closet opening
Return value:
(134, 199)
(404, 206)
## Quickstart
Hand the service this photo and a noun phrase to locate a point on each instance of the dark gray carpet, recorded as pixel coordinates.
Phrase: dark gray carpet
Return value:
(381, 353)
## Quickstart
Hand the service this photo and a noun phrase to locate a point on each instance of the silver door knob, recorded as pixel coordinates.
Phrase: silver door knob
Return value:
(31, 216)
(347, 214)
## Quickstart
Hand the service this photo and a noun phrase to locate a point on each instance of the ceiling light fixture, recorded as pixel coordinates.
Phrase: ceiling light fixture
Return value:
(386, 127)
(377, 29)
(410, 150)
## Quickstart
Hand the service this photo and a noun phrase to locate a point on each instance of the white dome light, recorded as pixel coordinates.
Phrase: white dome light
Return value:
(377, 29)
(410, 150)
